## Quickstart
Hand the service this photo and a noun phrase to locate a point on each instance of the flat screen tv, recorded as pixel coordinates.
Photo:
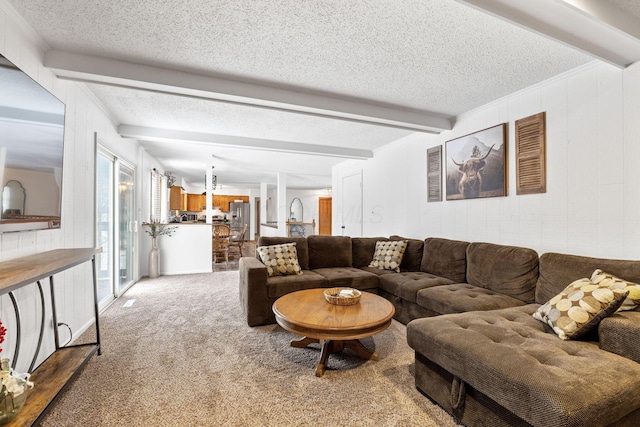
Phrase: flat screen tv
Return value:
(31, 152)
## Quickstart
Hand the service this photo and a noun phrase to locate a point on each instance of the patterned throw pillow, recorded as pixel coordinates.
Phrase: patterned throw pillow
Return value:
(579, 308)
(633, 299)
(281, 260)
(388, 255)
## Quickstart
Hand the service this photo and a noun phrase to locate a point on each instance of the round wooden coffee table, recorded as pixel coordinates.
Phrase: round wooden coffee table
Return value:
(335, 327)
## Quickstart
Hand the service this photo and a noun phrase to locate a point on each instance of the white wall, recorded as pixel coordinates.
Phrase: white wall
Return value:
(84, 117)
(592, 204)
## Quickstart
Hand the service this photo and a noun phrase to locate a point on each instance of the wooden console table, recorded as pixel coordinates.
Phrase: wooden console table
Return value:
(52, 376)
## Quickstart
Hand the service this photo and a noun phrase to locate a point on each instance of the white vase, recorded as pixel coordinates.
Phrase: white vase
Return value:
(154, 260)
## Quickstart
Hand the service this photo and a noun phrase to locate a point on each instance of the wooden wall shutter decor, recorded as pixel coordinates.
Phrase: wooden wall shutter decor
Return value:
(531, 155)
(434, 174)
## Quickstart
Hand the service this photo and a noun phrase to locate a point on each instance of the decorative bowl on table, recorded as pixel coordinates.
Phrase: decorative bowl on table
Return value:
(342, 296)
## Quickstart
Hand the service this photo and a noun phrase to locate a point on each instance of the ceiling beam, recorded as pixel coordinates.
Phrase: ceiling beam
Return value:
(595, 27)
(93, 69)
(168, 135)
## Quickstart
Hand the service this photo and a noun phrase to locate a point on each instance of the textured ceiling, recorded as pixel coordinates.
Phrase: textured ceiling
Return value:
(434, 56)
(631, 6)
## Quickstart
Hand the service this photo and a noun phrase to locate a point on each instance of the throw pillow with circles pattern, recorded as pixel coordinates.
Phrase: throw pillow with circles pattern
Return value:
(612, 282)
(579, 308)
(388, 255)
(280, 260)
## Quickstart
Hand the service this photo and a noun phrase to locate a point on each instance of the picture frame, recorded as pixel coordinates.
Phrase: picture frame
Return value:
(476, 164)
(434, 174)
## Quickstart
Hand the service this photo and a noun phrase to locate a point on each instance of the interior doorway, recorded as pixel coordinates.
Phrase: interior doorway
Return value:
(324, 216)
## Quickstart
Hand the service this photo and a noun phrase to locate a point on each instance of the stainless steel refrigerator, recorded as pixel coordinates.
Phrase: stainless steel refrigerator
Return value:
(240, 215)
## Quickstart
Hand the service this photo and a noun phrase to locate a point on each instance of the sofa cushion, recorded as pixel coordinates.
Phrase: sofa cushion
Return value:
(618, 334)
(329, 251)
(349, 277)
(462, 297)
(516, 361)
(446, 258)
(412, 257)
(580, 307)
(280, 260)
(388, 255)
(278, 286)
(557, 270)
(362, 250)
(377, 271)
(509, 270)
(302, 248)
(407, 284)
(612, 282)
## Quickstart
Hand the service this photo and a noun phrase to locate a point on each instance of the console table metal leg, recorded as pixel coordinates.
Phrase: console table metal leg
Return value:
(54, 313)
(16, 310)
(41, 335)
(95, 303)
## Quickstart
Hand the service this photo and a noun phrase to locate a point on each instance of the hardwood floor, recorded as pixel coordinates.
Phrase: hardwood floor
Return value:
(248, 249)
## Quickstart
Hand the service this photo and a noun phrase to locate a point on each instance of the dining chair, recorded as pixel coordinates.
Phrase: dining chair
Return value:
(221, 238)
(238, 240)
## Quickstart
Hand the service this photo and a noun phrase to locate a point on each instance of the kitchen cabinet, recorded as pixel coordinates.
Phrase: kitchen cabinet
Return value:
(224, 201)
(195, 202)
(217, 201)
(177, 199)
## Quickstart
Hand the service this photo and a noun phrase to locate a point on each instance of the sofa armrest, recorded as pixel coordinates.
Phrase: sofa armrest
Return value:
(253, 290)
(620, 334)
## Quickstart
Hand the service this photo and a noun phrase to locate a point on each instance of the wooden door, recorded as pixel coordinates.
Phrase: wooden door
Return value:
(324, 216)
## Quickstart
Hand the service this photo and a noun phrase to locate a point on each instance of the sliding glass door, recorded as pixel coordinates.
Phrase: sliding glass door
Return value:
(126, 227)
(115, 227)
(105, 227)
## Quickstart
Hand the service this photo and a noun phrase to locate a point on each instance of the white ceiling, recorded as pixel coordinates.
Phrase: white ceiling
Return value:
(296, 87)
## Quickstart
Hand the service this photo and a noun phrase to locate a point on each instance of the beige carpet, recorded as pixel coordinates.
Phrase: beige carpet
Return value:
(182, 355)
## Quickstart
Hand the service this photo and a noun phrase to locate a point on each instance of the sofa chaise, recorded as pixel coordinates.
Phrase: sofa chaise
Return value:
(505, 368)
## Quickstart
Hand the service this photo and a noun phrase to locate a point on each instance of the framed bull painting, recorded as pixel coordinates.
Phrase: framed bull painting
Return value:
(477, 164)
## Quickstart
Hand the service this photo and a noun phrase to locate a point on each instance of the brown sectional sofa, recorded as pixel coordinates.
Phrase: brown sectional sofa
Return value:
(468, 308)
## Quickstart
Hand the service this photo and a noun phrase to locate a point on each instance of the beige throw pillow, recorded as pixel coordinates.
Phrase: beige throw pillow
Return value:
(388, 255)
(579, 308)
(281, 260)
(612, 282)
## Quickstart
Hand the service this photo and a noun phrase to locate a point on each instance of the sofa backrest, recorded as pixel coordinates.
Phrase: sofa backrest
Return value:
(362, 250)
(446, 258)
(557, 271)
(329, 251)
(301, 247)
(412, 257)
(509, 270)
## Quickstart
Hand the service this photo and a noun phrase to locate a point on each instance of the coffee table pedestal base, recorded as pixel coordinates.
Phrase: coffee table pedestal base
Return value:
(334, 346)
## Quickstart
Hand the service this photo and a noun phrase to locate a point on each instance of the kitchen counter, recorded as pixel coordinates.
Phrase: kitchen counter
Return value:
(187, 250)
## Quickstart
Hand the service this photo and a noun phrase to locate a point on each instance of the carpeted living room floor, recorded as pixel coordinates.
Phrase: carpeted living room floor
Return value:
(182, 355)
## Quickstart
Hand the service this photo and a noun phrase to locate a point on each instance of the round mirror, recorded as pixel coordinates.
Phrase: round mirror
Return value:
(13, 196)
(295, 211)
